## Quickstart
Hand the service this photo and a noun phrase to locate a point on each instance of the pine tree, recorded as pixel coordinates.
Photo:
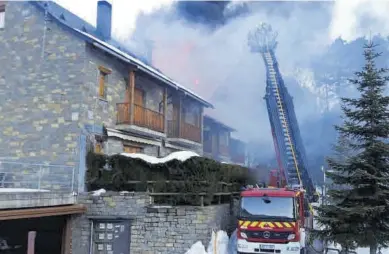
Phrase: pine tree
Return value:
(359, 209)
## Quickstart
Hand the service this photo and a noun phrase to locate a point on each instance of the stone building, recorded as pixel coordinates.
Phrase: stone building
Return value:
(62, 80)
(65, 84)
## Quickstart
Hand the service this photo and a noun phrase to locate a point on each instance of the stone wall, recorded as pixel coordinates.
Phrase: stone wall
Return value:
(49, 92)
(153, 229)
(40, 87)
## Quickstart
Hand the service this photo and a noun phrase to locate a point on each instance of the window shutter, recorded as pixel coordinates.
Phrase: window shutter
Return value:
(102, 85)
(98, 148)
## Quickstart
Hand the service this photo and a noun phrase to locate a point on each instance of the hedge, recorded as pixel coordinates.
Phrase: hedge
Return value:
(195, 175)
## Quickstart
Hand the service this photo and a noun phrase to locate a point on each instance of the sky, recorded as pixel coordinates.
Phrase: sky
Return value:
(346, 15)
(217, 63)
(124, 12)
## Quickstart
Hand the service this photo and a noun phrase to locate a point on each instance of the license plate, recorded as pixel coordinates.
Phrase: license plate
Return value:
(266, 247)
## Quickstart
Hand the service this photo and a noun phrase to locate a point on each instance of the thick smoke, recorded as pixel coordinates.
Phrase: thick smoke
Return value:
(211, 56)
(204, 46)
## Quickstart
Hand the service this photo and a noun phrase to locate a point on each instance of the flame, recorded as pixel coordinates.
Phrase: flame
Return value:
(175, 60)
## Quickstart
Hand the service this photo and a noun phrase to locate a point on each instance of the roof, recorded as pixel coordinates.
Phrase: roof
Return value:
(88, 32)
(215, 121)
(271, 192)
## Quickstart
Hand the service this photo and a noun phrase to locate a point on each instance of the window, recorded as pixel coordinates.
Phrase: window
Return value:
(267, 207)
(103, 76)
(132, 149)
(2, 14)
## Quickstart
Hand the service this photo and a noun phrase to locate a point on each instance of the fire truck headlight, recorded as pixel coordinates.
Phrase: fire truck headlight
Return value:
(291, 236)
(243, 235)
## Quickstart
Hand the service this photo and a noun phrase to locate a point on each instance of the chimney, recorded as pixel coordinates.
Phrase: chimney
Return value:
(104, 19)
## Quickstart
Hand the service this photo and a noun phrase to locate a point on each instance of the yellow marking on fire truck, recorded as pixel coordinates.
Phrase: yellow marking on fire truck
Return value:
(293, 223)
(278, 224)
(265, 224)
(240, 223)
(254, 224)
(246, 223)
(286, 224)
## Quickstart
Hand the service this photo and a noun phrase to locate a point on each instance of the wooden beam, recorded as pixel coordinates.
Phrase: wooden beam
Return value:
(165, 110)
(41, 212)
(104, 70)
(31, 242)
(67, 236)
(2, 5)
(179, 120)
(131, 83)
(202, 124)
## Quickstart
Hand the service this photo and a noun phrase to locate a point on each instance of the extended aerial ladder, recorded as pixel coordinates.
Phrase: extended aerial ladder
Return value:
(290, 152)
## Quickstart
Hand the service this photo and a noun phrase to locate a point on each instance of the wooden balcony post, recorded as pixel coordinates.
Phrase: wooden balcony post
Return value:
(165, 110)
(179, 120)
(202, 124)
(131, 83)
(31, 242)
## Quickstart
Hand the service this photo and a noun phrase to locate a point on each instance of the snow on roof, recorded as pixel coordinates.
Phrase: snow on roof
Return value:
(145, 67)
(13, 190)
(181, 156)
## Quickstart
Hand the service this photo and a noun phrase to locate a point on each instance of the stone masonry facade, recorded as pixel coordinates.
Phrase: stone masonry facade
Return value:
(40, 88)
(49, 92)
(163, 230)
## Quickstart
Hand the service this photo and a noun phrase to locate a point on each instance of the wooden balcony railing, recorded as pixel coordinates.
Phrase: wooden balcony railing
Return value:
(188, 131)
(238, 158)
(143, 117)
(224, 150)
(207, 146)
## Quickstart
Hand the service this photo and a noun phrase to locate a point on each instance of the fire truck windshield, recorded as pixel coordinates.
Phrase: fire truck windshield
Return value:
(267, 207)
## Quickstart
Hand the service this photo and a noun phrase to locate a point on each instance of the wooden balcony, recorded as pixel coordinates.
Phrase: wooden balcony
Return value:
(143, 117)
(188, 131)
(238, 158)
(224, 150)
(207, 146)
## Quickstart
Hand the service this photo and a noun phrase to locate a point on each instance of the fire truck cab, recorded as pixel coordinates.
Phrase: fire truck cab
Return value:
(273, 220)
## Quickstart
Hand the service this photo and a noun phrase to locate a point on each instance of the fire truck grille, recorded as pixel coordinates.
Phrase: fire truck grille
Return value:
(268, 234)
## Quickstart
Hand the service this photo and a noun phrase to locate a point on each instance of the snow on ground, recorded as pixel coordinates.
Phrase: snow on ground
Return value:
(9, 190)
(219, 244)
(181, 155)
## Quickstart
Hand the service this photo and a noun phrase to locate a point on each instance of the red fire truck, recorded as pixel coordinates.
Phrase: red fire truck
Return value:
(273, 220)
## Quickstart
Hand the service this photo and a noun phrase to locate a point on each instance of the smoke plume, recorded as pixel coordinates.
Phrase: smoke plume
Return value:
(203, 45)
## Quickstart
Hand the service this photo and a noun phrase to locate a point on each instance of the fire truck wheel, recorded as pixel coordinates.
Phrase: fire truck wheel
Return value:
(303, 251)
